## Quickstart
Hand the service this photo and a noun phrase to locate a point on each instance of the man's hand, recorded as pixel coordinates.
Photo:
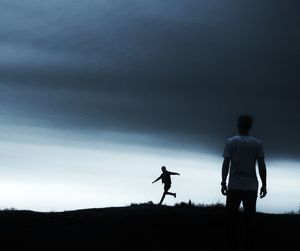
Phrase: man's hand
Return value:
(263, 192)
(153, 182)
(224, 190)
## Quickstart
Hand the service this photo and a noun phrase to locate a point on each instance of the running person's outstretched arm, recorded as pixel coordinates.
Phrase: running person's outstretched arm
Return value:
(156, 179)
(172, 173)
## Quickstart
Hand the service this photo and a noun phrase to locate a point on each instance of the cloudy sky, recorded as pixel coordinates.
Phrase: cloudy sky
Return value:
(96, 95)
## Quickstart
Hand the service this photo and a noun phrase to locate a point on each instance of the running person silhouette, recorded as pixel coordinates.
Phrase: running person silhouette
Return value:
(166, 180)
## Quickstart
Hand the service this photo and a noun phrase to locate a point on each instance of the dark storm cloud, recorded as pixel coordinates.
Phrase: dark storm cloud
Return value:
(183, 70)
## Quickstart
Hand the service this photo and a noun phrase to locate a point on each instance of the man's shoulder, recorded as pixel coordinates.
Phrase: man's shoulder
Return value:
(238, 138)
(233, 139)
(256, 140)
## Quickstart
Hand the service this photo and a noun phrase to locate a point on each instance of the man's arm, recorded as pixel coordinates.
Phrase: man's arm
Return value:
(263, 175)
(157, 179)
(225, 170)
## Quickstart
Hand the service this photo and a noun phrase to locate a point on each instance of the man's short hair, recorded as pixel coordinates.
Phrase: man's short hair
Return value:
(245, 122)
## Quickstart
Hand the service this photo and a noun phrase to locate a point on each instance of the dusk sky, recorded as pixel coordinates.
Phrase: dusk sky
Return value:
(95, 96)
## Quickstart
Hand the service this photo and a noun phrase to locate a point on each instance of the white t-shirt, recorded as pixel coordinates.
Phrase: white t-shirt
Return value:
(243, 152)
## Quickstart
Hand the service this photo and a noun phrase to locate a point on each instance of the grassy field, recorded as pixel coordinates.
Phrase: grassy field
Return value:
(139, 227)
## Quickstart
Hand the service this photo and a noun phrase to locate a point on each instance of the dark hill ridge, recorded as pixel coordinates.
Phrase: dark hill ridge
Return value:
(139, 227)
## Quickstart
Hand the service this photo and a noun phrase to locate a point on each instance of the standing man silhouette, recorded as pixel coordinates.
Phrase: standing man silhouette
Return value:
(241, 153)
(166, 180)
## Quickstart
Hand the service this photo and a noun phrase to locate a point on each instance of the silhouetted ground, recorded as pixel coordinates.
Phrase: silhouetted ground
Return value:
(138, 227)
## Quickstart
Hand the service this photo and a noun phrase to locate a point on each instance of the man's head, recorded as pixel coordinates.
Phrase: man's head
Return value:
(244, 123)
(163, 168)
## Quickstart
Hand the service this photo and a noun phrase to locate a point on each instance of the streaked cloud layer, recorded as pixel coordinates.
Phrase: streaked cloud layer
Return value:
(179, 70)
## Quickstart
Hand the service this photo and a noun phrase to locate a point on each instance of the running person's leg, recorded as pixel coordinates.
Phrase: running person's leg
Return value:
(162, 198)
(167, 187)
